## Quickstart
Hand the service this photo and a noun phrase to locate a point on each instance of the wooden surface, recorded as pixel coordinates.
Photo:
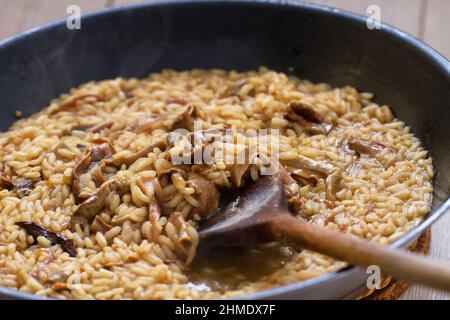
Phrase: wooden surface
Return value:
(428, 20)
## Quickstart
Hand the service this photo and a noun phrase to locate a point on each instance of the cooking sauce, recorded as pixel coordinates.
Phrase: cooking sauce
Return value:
(225, 268)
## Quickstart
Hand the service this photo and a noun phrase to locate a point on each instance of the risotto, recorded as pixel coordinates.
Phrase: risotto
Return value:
(96, 204)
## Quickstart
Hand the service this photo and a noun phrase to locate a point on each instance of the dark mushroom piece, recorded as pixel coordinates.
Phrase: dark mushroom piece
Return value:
(36, 230)
(305, 111)
(100, 225)
(306, 177)
(207, 194)
(91, 163)
(307, 118)
(310, 127)
(5, 182)
(184, 121)
(91, 206)
(379, 151)
(206, 191)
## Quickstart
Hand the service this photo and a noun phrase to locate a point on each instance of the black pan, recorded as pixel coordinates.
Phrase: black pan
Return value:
(310, 41)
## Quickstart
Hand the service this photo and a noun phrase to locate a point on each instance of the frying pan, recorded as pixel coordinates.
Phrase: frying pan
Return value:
(313, 42)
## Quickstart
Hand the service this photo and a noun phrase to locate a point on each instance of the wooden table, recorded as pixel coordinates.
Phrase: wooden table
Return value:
(428, 20)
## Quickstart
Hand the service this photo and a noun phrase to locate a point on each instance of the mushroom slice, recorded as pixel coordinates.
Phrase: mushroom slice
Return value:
(308, 119)
(310, 127)
(184, 244)
(129, 160)
(91, 206)
(148, 125)
(331, 183)
(302, 162)
(91, 163)
(100, 225)
(306, 176)
(147, 185)
(379, 151)
(71, 103)
(5, 182)
(36, 230)
(184, 121)
(240, 166)
(208, 196)
(118, 221)
(305, 111)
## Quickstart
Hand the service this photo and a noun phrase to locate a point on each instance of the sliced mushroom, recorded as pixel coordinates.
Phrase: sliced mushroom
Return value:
(302, 162)
(94, 128)
(305, 111)
(118, 221)
(207, 194)
(184, 121)
(148, 125)
(91, 206)
(183, 244)
(309, 171)
(91, 163)
(5, 182)
(72, 103)
(367, 147)
(151, 186)
(306, 176)
(379, 151)
(36, 230)
(331, 183)
(308, 119)
(129, 160)
(240, 166)
(100, 225)
(310, 127)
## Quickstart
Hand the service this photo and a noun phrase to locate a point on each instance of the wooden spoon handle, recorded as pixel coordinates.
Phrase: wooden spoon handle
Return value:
(398, 263)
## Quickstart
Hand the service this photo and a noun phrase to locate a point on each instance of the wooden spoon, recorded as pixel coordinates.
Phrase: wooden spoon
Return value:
(260, 213)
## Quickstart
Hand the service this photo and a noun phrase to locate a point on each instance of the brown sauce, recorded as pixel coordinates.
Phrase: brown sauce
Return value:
(223, 269)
